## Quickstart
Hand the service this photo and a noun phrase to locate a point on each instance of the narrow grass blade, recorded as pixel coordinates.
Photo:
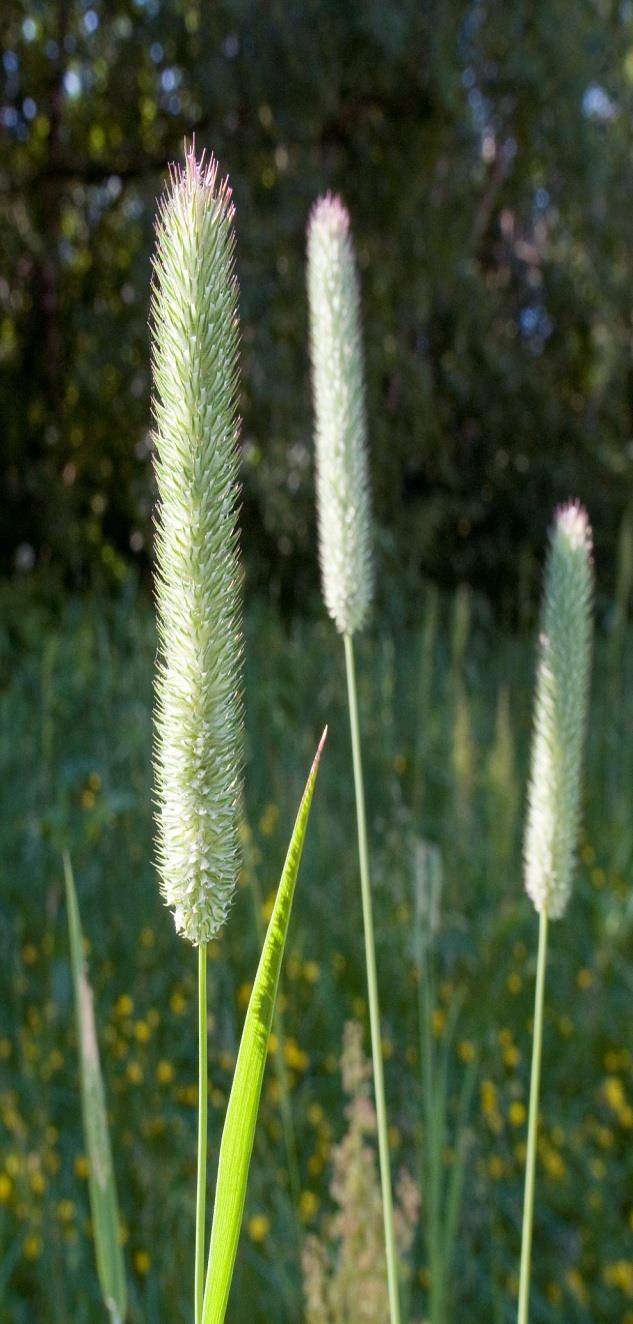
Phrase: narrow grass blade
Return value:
(241, 1115)
(103, 1197)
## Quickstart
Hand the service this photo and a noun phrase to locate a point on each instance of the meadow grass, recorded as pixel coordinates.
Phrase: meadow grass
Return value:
(75, 740)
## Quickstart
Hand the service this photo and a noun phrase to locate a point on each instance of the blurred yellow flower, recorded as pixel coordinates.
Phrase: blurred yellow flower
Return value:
(258, 1227)
(32, 1247)
(308, 1205)
(81, 1166)
(142, 1262)
(438, 1021)
(124, 1005)
(296, 1058)
(517, 1113)
(620, 1274)
(269, 820)
(178, 1003)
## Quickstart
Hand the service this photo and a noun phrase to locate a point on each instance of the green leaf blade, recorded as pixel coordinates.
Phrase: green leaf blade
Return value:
(101, 1181)
(241, 1115)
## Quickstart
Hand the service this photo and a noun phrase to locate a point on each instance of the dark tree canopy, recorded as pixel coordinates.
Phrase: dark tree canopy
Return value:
(485, 152)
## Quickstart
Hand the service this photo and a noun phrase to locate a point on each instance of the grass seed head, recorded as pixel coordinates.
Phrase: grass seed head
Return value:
(560, 712)
(198, 721)
(340, 422)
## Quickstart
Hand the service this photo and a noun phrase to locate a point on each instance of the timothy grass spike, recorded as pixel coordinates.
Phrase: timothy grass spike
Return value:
(345, 556)
(560, 720)
(340, 421)
(198, 730)
(560, 712)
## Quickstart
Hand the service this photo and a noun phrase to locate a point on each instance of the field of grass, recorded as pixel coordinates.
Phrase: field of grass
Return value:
(446, 715)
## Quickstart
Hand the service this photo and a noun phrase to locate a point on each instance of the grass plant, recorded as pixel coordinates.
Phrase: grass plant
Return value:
(198, 689)
(560, 721)
(199, 725)
(345, 560)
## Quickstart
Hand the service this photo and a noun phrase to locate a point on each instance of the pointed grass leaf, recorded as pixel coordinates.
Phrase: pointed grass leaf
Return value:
(241, 1115)
(102, 1187)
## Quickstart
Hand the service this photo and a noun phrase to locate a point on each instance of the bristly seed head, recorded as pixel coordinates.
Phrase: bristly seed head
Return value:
(339, 410)
(560, 712)
(198, 721)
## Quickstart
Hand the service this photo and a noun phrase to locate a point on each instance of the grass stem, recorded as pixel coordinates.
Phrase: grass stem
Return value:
(372, 990)
(203, 1092)
(530, 1161)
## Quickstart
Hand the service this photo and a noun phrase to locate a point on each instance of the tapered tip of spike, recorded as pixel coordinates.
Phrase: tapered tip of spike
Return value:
(329, 212)
(572, 520)
(198, 175)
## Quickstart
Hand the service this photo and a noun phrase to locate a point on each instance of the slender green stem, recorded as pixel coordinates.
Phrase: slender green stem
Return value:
(530, 1161)
(372, 990)
(203, 1092)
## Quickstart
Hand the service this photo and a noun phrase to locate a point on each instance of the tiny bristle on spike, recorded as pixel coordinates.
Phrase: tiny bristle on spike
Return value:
(560, 712)
(343, 496)
(198, 721)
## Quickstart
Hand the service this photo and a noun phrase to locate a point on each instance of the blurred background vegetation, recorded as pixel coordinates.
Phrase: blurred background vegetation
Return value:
(485, 152)
(445, 710)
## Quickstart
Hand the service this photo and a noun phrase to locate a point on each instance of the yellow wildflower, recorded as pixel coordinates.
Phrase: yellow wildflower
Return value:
(81, 1166)
(517, 1113)
(124, 1005)
(33, 1247)
(178, 1003)
(308, 1205)
(258, 1227)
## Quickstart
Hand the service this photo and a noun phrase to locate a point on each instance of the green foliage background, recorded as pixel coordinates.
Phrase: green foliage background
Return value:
(485, 152)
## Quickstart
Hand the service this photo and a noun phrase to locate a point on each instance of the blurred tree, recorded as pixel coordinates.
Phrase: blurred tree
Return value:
(484, 150)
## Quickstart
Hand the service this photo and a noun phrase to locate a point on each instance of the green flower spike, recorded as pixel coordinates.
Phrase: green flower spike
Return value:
(560, 713)
(198, 729)
(340, 423)
(560, 721)
(345, 555)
